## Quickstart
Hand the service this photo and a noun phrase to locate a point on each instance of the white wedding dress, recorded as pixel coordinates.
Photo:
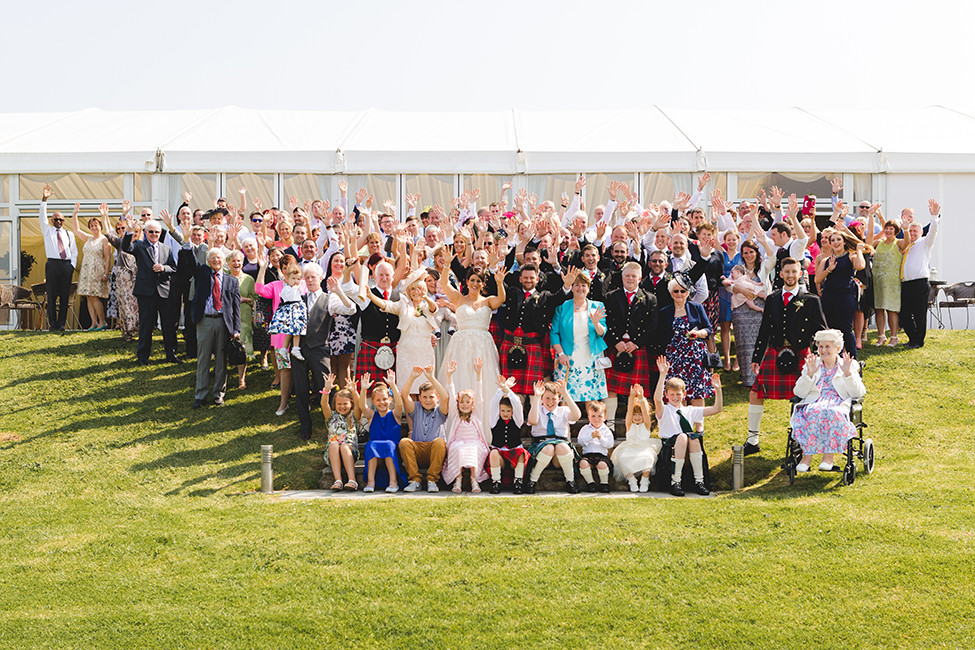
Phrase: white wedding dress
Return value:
(472, 340)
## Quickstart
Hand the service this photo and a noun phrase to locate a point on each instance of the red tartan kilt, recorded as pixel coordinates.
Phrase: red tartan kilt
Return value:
(548, 357)
(513, 455)
(772, 383)
(620, 382)
(365, 361)
(497, 332)
(526, 377)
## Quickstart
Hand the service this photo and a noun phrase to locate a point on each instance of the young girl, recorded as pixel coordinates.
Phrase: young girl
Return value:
(638, 453)
(466, 446)
(596, 440)
(508, 418)
(677, 427)
(384, 433)
(342, 446)
(291, 317)
(820, 423)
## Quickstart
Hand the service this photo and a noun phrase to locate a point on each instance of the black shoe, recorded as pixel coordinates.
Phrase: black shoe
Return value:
(700, 488)
(529, 487)
(142, 362)
(218, 401)
(518, 483)
(197, 403)
(752, 449)
(676, 490)
(495, 487)
(570, 487)
(591, 487)
(176, 360)
(914, 346)
(604, 488)
(305, 435)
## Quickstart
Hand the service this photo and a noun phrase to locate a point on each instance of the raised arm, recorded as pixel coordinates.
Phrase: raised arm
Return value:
(658, 392)
(364, 395)
(718, 397)
(74, 222)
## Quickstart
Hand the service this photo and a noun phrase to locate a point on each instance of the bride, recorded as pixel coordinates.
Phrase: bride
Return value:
(472, 338)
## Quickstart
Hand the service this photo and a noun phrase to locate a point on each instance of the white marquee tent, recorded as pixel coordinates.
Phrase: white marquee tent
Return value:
(896, 157)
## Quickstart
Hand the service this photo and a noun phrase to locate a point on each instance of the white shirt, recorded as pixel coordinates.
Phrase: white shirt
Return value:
(917, 261)
(560, 418)
(51, 236)
(600, 445)
(670, 423)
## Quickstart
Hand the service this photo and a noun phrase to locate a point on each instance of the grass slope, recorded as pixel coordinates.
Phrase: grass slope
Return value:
(124, 524)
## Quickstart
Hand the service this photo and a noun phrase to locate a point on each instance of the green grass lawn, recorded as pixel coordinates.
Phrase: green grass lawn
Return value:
(126, 521)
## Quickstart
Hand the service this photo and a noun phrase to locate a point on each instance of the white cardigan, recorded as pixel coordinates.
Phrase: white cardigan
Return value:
(849, 388)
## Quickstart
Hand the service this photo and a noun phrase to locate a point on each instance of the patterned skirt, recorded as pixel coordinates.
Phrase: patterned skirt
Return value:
(686, 358)
(290, 318)
(585, 382)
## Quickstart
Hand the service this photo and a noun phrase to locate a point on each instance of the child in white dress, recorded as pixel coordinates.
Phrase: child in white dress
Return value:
(638, 453)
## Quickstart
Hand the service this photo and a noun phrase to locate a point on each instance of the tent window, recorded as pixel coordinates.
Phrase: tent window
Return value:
(259, 186)
(142, 189)
(432, 189)
(203, 187)
(382, 187)
(490, 187)
(4, 189)
(750, 185)
(76, 187)
(313, 187)
(550, 187)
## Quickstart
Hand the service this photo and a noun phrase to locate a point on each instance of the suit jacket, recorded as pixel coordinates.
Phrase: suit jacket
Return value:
(660, 292)
(147, 281)
(533, 316)
(186, 262)
(795, 325)
(229, 297)
(637, 319)
(697, 319)
(319, 323)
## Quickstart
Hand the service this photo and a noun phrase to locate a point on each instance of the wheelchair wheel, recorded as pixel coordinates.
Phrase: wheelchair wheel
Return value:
(793, 454)
(849, 473)
(867, 454)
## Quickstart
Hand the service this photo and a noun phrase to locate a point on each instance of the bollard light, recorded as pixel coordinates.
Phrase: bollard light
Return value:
(267, 476)
(737, 467)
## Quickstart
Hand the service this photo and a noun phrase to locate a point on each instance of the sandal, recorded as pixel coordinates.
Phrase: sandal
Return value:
(893, 341)
(476, 488)
(456, 488)
(338, 485)
(352, 485)
(881, 341)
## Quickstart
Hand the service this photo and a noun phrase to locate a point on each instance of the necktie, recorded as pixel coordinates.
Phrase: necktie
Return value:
(655, 280)
(786, 298)
(550, 427)
(217, 306)
(61, 249)
(385, 295)
(528, 294)
(155, 254)
(629, 297)
(904, 259)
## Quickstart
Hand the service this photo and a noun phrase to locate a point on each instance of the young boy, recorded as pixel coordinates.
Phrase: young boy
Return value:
(427, 442)
(596, 440)
(508, 417)
(677, 426)
(550, 429)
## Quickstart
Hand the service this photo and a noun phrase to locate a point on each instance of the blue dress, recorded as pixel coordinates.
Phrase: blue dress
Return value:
(384, 436)
(723, 293)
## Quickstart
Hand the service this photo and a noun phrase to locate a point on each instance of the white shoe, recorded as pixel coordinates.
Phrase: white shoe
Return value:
(280, 412)
(802, 467)
(644, 484)
(296, 353)
(392, 488)
(412, 486)
(369, 488)
(633, 484)
(432, 487)
(826, 467)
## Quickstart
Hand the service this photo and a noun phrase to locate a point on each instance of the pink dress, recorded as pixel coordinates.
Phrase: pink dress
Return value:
(466, 445)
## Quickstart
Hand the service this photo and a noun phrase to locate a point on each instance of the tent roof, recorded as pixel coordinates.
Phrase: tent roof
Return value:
(232, 139)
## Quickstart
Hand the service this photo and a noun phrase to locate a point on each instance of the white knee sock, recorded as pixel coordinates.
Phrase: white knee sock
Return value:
(754, 422)
(586, 474)
(495, 473)
(611, 404)
(603, 475)
(565, 461)
(697, 464)
(520, 470)
(678, 470)
(540, 464)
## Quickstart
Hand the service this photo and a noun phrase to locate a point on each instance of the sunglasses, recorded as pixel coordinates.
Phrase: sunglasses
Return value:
(679, 291)
(257, 220)
(57, 220)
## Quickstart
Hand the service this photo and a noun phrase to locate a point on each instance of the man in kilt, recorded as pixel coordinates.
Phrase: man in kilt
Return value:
(631, 318)
(791, 319)
(527, 319)
(380, 330)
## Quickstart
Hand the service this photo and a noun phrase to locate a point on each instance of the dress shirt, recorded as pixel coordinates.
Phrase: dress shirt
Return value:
(917, 261)
(560, 418)
(428, 425)
(208, 309)
(600, 445)
(51, 236)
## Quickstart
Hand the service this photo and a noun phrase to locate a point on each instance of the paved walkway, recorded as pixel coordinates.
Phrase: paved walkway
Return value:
(447, 494)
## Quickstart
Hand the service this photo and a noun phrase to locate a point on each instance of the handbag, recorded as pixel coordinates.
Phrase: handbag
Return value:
(236, 355)
(603, 362)
(787, 361)
(712, 361)
(625, 362)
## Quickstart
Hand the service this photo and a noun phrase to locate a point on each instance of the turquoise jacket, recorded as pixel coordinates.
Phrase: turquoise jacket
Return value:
(562, 328)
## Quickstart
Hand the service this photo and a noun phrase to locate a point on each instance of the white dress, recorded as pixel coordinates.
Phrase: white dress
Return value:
(415, 347)
(637, 453)
(471, 340)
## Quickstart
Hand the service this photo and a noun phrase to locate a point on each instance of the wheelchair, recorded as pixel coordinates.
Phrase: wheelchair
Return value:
(858, 448)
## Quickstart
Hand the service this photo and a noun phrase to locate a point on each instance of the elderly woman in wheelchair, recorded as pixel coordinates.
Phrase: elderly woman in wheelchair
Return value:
(821, 421)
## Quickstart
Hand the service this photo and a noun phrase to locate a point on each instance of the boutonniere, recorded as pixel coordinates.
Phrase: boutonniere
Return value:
(797, 302)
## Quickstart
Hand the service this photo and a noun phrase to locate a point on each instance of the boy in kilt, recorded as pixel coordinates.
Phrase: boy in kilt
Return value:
(631, 318)
(791, 319)
(527, 320)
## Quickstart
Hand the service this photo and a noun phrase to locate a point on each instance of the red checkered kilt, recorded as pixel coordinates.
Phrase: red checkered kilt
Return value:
(773, 383)
(365, 361)
(513, 455)
(620, 382)
(497, 332)
(526, 377)
(548, 357)
(712, 306)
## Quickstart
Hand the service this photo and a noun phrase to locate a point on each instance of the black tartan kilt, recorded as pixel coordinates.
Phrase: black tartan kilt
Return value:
(664, 469)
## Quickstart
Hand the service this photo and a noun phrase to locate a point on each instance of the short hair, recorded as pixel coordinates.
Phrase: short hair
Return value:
(782, 228)
(589, 247)
(632, 266)
(550, 387)
(231, 255)
(380, 388)
(789, 261)
(528, 267)
(675, 383)
(373, 236)
(504, 401)
(897, 226)
(707, 225)
(582, 278)
(596, 406)
(426, 386)
(197, 229)
(386, 266)
(829, 336)
(214, 252)
(661, 253)
(315, 268)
